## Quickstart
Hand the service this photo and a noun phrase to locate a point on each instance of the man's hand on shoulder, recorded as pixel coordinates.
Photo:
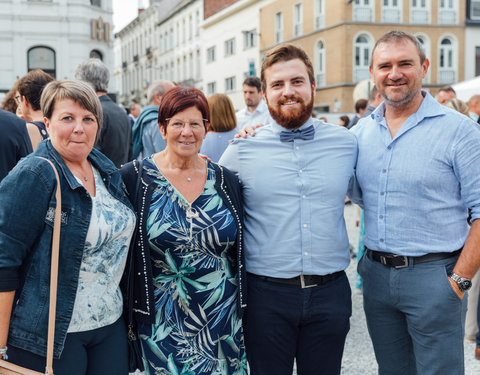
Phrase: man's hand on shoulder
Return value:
(247, 130)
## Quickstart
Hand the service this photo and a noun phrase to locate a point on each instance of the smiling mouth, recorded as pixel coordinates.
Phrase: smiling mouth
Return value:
(290, 103)
(187, 143)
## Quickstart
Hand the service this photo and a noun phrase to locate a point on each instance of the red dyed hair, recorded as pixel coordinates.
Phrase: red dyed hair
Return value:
(178, 99)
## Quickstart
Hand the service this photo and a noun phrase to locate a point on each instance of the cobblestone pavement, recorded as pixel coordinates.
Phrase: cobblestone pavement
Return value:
(358, 358)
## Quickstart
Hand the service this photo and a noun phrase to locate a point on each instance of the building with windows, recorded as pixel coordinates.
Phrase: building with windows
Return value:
(472, 40)
(163, 42)
(53, 35)
(230, 41)
(340, 45)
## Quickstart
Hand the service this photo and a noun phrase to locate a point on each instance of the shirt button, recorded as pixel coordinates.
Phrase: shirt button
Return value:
(304, 196)
(389, 147)
(305, 253)
(384, 171)
(382, 240)
(297, 148)
(381, 216)
(305, 225)
(382, 193)
(300, 171)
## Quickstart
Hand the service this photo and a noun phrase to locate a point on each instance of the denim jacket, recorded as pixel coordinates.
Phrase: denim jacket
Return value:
(27, 201)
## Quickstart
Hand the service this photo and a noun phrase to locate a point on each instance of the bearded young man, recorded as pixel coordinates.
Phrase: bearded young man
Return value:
(418, 172)
(294, 174)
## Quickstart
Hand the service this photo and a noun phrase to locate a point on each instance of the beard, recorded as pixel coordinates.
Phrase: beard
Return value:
(291, 118)
(406, 98)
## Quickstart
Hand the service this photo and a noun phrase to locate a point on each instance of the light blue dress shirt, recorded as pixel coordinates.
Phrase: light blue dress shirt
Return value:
(215, 144)
(293, 196)
(260, 115)
(417, 186)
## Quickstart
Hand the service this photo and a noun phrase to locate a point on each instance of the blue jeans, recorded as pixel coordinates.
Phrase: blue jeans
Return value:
(414, 317)
(284, 322)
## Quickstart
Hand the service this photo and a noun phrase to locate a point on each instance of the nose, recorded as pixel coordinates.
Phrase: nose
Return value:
(288, 89)
(78, 126)
(187, 130)
(395, 73)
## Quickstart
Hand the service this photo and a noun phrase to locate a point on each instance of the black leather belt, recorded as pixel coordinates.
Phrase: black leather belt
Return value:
(401, 261)
(304, 281)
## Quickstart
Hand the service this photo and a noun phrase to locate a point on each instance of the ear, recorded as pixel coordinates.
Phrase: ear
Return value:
(47, 123)
(206, 130)
(425, 66)
(163, 131)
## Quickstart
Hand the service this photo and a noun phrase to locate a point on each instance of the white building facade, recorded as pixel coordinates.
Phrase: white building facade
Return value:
(53, 35)
(163, 42)
(472, 39)
(230, 42)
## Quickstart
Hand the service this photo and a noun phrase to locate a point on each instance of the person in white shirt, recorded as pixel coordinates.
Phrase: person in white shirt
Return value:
(255, 111)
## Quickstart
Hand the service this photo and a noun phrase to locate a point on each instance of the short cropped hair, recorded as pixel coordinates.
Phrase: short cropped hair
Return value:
(78, 91)
(361, 104)
(397, 36)
(222, 113)
(31, 86)
(179, 99)
(253, 81)
(447, 89)
(286, 52)
(158, 88)
(95, 72)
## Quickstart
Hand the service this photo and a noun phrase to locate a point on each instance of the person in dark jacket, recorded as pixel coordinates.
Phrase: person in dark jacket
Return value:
(115, 140)
(189, 275)
(14, 142)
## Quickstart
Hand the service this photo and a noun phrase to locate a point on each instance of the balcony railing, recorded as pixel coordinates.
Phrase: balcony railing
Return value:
(419, 16)
(446, 76)
(391, 15)
(447, 17)
(362, 14)
(360, 74)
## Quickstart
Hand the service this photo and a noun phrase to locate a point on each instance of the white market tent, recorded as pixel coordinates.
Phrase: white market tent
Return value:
(466, 89)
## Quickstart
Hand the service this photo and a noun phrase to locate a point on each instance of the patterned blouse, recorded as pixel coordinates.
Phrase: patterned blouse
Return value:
(197, 328)
(99, 300)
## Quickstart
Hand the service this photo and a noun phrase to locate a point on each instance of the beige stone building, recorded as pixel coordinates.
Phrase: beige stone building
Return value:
(339, 36)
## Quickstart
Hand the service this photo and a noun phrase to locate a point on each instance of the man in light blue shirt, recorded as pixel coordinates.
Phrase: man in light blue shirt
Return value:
(294, 174)
(417, 173)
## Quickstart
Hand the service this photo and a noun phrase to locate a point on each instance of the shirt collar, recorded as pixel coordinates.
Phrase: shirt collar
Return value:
(474, 116)
(278, 128)
(429, 108)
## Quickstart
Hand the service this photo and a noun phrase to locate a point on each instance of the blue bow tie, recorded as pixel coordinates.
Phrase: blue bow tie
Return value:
(306, 134)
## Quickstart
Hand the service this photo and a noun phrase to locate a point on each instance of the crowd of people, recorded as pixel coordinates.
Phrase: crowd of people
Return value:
(220, 253)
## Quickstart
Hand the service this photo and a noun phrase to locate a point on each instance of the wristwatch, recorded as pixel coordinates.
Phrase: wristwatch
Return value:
(463, 283)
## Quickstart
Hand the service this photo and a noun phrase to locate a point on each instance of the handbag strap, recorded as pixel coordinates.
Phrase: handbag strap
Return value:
(54, 271)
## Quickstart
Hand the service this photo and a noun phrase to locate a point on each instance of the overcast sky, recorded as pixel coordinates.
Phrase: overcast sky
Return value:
(125, 11)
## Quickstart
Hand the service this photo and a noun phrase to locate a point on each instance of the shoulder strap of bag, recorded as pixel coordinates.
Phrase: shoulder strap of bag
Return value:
(54, 271)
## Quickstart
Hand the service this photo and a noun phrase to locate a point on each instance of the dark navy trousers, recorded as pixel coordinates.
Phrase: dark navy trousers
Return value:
(102, 351)
(285, 322)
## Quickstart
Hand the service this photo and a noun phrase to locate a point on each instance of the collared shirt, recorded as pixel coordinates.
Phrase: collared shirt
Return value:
(293, 196)
(474, 116)
(417, 186)
(260, 115)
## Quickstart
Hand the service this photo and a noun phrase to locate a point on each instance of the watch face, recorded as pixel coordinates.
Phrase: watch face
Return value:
(465, 285)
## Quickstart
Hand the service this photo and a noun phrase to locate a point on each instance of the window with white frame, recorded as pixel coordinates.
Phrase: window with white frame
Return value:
(191, 72)
(319, 14)
(211, 88)
(362, 50)
(197, 23)
(230, 47)
(446, 62)
(447, 12)
(425, 42)
(184, 71)
(419, 11)
(172, 72)
(170, 39)
(211, 54)
(363, 10)
(165, 41)
(249, 38)
(199, 66)
(391, 11)
(160, 45)
(320, 64)
(184, 31)
(475, 9)
(190, 27)
(230, 84)
(278, 27)
(297, 19)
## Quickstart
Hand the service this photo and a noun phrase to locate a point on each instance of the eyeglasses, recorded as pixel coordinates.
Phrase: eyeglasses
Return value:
(194, 124)
(17, 98)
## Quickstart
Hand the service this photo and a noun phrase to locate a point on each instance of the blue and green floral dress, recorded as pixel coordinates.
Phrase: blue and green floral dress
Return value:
(197, 329)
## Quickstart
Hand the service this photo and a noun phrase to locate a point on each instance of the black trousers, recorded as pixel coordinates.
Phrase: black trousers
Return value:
(102, 351)
(283, 322)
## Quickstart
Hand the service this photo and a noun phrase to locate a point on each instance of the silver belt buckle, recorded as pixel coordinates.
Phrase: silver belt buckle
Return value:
(302, 283)
(405, 261)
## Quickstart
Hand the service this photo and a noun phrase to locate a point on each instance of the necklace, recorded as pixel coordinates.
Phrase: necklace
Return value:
(189, 179)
